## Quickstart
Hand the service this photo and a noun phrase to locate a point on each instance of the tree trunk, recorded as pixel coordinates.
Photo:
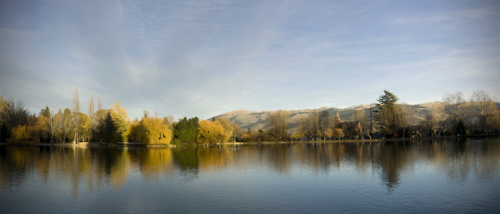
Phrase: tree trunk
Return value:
(76, 135)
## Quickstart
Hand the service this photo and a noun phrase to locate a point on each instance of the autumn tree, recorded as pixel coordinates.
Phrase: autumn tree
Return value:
(85, 127)
(19, 133)
(337, 132)
(228, 128)
(210, 132)
(151, 131)
(133, 130)
(329, 132)
(296, 136)
(120, 119)
(247, 137)
(37, 128)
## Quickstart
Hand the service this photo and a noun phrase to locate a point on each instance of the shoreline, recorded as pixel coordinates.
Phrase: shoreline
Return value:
(368, 140)
(136, 144)
(90, 145)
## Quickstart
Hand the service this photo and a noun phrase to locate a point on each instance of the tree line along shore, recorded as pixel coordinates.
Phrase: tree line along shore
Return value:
(454, 116)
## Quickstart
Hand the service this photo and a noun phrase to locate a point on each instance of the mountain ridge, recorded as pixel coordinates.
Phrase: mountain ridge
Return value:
(257, 119)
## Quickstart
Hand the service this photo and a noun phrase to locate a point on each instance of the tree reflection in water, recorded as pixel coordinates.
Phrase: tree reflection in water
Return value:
(389, 160)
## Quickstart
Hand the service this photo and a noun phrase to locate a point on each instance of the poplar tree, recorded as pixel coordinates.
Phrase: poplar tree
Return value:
(76, 115)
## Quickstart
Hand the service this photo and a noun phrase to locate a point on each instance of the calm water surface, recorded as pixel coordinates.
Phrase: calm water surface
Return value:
(413, 177)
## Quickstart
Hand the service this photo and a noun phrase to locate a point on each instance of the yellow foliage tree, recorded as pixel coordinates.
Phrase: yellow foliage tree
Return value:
(19, 133)
(133, 131)
(338, 133)
(38, 128)
(228, 128)
(154, 131)
(297, 136)
(210, 132)
(247, 138)
(85, 127)
(328, 132)
(120, 119)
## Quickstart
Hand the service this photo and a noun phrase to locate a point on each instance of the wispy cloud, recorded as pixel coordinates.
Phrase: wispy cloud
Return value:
(202, 58)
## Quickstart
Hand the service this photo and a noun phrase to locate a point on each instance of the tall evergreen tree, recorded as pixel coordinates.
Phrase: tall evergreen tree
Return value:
(386, 112)
(187, 130)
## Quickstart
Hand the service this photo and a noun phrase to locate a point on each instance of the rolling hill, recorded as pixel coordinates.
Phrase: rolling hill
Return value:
(258, 119)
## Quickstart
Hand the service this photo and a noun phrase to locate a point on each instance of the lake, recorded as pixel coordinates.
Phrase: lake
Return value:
(436, 176)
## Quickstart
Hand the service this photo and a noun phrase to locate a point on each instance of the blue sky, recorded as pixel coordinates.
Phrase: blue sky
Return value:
(204, 58)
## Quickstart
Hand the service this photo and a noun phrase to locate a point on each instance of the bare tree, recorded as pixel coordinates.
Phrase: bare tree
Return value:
(99, 104)
(51, 122)
(313, 124)
(169, 119)
(92, 117)
(278, 122)
(482, 106)
(59, 124)
(359, 117)
(67, 122)
(13, 113)
(454, 103)
(76, 113)
(435, 117)
(325, 122)
(403, 117)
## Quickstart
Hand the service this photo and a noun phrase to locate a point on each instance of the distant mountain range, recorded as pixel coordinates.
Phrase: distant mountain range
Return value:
(257, 119)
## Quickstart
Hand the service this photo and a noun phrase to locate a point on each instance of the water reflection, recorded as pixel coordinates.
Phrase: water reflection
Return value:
(389, 160)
